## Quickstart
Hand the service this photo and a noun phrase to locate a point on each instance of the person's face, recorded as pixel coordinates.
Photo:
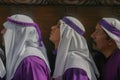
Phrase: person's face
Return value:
(3, 32)
(55, 33)
(100, 41)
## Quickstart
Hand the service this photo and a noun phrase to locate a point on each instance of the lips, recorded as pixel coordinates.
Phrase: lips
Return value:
(52, 32)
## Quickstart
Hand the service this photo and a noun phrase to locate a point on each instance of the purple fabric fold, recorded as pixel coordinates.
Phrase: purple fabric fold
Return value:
(28, 24)
(109, 27)
(72, 25)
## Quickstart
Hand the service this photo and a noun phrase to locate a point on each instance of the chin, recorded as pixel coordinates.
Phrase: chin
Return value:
(51, 39)
(94, 47)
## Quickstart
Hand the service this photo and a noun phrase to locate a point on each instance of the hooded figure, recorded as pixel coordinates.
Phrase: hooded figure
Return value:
(107, 40)
(73, 61)
(26, 57)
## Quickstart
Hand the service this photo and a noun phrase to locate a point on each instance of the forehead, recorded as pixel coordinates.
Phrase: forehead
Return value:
(58, 23)
(100, 31)
(98, 27)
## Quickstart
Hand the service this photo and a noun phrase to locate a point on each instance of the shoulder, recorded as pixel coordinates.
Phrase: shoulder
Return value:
(33, 61)
(30, 67)
(32, 58)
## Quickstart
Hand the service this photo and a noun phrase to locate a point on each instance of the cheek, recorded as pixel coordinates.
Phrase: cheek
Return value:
(55, 36)
(101, 43)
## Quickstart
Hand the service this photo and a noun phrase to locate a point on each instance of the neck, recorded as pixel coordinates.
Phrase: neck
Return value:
(56, 45)
(107, 53)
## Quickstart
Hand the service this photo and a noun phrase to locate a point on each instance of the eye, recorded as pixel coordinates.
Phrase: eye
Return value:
(99, 32)
(96, 31)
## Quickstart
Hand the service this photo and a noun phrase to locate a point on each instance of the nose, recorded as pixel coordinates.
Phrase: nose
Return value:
(3, 31)
(93, 35)
(53, 27)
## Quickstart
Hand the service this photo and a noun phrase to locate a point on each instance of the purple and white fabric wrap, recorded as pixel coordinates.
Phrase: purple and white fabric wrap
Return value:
(112, 28)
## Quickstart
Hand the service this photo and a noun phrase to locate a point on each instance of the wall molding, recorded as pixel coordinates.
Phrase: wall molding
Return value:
(64, 2)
